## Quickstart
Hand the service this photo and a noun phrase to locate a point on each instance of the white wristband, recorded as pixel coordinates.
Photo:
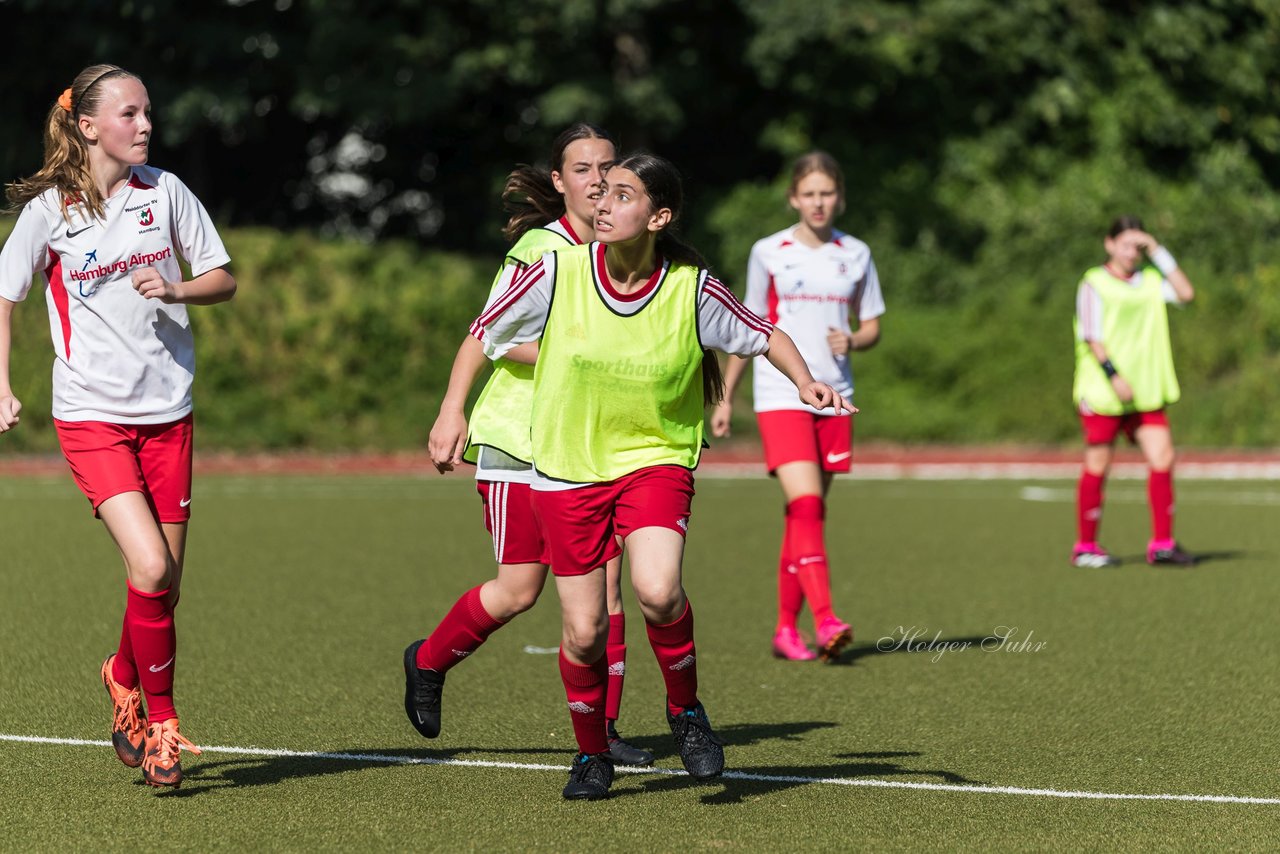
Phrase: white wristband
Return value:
(1163, 260)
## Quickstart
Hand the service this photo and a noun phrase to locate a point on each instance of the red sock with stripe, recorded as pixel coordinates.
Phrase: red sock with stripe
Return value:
(673, 647)
(1089, 508)
(790, 593)
(584, 687)
(805, 526)
(615, 654)
(155, 646)
(460, 633)
(1160, 496)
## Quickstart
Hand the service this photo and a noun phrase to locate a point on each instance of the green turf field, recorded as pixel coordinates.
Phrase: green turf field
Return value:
(301, 594)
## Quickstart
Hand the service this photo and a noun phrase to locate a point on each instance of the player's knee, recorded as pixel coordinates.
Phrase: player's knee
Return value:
(150, 571)
(584, 640)
(661, 603)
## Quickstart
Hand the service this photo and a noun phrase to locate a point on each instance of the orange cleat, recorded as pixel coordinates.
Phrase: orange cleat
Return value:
(161, 766)
(833, 636)
(129, 723)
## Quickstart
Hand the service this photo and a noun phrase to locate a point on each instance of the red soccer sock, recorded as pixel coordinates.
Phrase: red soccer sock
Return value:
(584, 687)
(1160, 496)
(460, 633)
(615, 653)
(1089, 506)
(123, 668)
(155, 646)
(673, 647)
(790, 593)
(805, 524)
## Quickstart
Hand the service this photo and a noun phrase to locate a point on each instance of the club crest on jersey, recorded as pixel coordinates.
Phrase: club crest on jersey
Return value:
(145, 217)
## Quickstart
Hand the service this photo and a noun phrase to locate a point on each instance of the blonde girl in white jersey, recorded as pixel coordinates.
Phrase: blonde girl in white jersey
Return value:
(820, 286)
(105, 233)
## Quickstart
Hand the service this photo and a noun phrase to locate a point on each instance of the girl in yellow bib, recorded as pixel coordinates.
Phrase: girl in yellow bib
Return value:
(625, 326)
(1124, 379)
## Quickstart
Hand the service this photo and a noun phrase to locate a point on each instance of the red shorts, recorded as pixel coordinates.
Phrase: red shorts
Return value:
(154, 459)
(583, 526)
(1103, 429)
(510, 520)
(793, 435)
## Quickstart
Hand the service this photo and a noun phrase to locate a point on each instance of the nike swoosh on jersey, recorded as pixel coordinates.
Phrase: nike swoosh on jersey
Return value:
(832, 459)
(184, 502)
(71, 233)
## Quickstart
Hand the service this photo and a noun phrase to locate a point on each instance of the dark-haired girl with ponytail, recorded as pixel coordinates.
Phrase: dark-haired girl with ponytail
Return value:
(106, 231)
(623, 326)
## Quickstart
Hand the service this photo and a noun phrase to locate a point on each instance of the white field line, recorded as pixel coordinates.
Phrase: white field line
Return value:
(728, 775)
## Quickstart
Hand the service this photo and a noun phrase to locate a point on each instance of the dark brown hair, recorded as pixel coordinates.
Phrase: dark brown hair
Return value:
(1122, 224)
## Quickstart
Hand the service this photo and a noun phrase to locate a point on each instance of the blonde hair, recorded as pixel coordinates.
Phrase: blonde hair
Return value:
(66, 154)
(818, 161)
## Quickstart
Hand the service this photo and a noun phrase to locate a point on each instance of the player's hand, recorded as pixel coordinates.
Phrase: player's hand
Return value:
(10, 406)
(1123, 390)
(448, 440)
(1147, 243)
(838, 341)
(720, 418)
(822, 396)
(148, 282)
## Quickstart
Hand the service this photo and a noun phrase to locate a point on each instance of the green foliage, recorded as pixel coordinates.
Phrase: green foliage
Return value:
(340, 345)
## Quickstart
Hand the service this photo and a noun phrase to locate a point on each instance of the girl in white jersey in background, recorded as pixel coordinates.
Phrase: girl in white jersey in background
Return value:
(105, 231)
(550, 210)
(624, 327)
(809, 280)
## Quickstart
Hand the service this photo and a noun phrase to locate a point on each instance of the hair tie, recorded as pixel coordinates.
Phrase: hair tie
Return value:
(64, 100)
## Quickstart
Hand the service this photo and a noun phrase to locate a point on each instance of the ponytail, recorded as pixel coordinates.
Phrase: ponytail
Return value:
(531, 200)
(66, 154)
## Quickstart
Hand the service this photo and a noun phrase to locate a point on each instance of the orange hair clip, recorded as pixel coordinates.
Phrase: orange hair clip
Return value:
(64, 100)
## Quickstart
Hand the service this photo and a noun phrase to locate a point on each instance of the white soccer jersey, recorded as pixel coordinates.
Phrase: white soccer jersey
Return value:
(520, 315)
(805, 292)
(118, 357)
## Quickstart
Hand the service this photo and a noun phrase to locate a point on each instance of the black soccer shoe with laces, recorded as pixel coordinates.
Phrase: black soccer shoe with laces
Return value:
(625, 754)
(701, 750)
(422, 689)
(589, 778)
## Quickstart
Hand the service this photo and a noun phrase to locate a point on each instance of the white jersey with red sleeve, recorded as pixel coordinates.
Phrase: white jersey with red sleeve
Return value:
(119, 357)
(806, 292)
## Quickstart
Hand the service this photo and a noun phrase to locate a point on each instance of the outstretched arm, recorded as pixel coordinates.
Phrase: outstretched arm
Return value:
(784, 356)
(448, 437)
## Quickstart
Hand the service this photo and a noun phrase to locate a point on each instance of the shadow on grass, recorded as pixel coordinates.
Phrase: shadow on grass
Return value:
(205, 775)
(742, 783)
(1140, 560)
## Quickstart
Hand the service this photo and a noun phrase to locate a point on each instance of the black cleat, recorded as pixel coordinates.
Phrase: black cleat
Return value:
(589, 778)
(701, 750)
(625, 754)
(1171, 557)
(422, 689)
